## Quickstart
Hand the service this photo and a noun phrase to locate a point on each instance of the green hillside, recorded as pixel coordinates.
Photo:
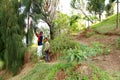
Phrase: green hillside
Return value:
(106, 25)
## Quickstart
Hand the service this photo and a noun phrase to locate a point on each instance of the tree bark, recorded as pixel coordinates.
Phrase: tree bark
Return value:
(100, 16)
(51, 27)
(117, 17)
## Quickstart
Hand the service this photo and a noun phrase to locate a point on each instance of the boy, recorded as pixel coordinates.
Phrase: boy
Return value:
(46, 49)
(40, 38)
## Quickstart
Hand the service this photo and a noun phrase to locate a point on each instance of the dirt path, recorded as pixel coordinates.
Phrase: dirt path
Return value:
(110, 62)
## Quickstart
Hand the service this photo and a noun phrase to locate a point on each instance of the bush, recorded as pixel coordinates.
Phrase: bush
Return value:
(82, 52)
(117, 43)
(60, 43)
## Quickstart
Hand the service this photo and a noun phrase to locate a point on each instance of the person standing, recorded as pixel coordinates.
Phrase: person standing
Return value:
(40, 45)
(46, 49)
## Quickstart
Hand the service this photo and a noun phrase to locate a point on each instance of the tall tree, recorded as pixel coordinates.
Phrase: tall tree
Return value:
(96, 6)
(48, 13)
(44, 9)
(11, 46)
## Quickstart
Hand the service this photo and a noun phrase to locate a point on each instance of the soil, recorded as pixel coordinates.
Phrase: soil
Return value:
(110, 62)
(60, 75)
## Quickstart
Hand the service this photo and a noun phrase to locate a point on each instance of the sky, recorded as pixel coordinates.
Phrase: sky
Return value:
(65, 7)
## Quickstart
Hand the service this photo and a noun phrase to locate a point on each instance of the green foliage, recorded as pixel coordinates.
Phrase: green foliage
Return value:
(96, 7)
(117, 43)
(12, 52)
(1, 64)
(74, 19)
(82, 52)
(109, 9)
(74, 27)
(30, 35)
(61, 23)
(61, 43)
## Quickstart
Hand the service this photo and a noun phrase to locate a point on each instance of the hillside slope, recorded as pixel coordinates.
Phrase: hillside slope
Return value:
(106, 25)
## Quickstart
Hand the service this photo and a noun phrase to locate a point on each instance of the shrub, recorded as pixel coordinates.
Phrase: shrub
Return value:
(60, 43)
(82, 52)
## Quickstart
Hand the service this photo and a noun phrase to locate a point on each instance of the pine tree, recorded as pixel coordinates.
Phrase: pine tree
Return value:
(11, 46)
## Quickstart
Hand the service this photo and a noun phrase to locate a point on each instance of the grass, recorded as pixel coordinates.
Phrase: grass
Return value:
(106, 25)
(43, 71)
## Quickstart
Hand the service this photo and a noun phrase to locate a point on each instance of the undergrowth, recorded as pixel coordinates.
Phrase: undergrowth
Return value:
(82, 52)
(61, 42)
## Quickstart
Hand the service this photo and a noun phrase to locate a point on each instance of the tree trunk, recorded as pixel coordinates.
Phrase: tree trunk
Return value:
(51, 30)
(27, 30)
(117, 17)
(100, 16)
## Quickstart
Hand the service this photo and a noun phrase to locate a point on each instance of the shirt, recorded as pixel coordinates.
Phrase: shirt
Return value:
(40, 38)
(46, 46)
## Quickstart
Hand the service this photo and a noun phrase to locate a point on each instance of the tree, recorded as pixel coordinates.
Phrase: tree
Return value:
(96, 7)
(11, 46)
(79, 4)
(48, 13)
(45, 9)
(109, 8)
(61, 23)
